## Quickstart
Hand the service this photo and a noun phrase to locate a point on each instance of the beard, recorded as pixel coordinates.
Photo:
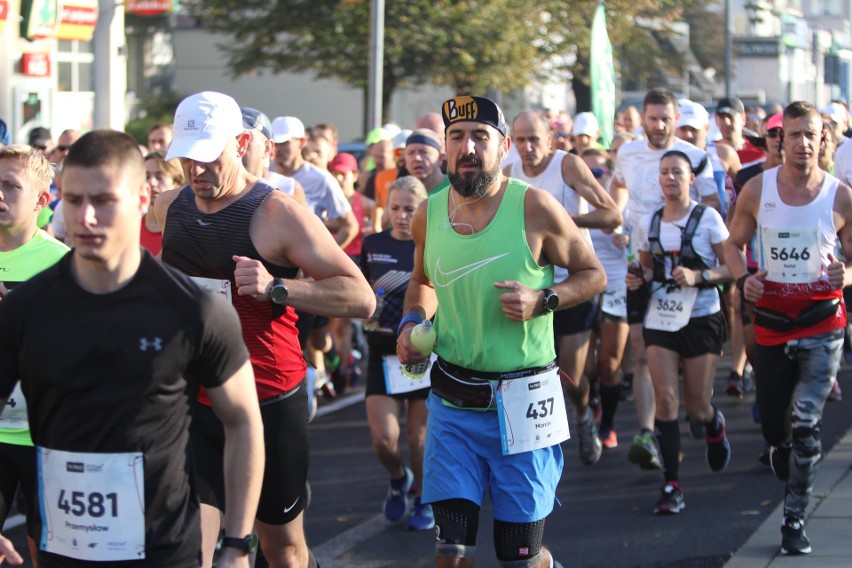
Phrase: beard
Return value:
(473, 185)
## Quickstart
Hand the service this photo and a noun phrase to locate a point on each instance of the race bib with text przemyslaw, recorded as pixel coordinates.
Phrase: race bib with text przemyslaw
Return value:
(92, 504)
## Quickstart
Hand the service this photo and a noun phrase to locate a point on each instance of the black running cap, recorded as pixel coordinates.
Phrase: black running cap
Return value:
(473, 109)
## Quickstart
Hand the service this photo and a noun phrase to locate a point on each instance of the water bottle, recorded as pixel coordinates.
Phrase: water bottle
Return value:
(372, 324)
(423, 338)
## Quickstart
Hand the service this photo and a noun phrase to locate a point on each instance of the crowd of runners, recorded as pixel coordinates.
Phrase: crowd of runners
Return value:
(563, 275)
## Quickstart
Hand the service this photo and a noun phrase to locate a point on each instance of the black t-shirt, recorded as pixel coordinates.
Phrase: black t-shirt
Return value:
(114, 373)
(387, 264)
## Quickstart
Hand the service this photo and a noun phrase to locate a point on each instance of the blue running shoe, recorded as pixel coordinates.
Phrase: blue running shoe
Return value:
(422, 518)
(396, 503)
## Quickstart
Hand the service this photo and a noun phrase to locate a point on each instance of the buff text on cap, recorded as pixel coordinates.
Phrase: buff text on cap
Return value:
(204, 122)
(473, 109)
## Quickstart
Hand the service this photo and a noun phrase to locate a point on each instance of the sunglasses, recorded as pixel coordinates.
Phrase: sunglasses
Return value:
(41, 147)
(774, 133)
(599, 172)
(562, 134)
(63, 148)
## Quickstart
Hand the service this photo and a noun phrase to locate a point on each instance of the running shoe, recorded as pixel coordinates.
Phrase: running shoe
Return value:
(734, 387)
(643, 452)
(779, 461)
(325, 386)
(671, 500)
(608, 437)
(794, 541)
(395, 503)
(718, 448)
(748, 379)
(836, 394)
(422, 518)
(589, 444)
(697, 430)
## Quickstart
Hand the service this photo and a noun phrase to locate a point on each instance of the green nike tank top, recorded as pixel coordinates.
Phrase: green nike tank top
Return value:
(16, 266)
(473, 331)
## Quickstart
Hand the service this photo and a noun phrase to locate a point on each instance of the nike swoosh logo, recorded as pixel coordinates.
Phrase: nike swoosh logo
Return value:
(461, 271)
(202, 223)
(290, 508)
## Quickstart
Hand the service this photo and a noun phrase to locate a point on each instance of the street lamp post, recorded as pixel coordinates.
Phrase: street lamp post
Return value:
(377, 48)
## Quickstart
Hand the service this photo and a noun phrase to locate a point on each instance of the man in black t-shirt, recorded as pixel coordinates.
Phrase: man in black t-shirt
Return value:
(131, 342)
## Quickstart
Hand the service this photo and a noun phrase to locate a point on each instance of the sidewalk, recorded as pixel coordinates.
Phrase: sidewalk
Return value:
(829, 522)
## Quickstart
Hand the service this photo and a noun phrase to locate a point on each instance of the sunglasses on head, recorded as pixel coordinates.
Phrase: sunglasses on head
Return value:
(773, 133)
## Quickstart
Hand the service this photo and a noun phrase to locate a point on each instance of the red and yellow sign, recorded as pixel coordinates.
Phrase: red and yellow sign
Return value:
(149, 7)
(4, 14)
(77, 19)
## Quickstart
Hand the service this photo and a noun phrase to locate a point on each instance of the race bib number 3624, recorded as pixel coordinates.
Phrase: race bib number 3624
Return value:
(92, 504)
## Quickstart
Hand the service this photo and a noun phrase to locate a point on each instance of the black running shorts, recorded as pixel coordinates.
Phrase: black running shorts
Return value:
(285, 435)
(701, 336)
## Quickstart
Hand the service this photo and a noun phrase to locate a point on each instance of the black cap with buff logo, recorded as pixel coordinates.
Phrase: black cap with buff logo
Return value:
(473, 109)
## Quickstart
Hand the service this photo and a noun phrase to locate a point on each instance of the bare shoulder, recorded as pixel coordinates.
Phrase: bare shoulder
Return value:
(542, 211)
(163, 202)
(843, 200)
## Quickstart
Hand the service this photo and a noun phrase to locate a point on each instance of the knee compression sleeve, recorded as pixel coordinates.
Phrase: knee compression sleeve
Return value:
(456, 524)
(518, 542)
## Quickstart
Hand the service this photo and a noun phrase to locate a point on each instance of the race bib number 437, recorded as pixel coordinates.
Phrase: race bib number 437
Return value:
(92, 504)
(532, 413)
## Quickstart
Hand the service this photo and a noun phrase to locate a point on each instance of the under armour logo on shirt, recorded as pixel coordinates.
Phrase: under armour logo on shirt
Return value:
(156, 344)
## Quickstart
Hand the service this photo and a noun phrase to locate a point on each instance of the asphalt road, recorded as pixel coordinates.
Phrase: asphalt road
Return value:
(605, 518)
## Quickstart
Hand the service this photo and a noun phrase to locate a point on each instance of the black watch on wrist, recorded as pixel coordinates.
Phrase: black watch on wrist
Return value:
(741, 282)
(246, 544)
(278, 292)
(551, 301)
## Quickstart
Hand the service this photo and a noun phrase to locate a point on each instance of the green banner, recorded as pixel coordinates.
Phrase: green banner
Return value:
(602, 76)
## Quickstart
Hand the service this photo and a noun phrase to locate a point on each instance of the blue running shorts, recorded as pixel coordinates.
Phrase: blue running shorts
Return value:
(464, 457)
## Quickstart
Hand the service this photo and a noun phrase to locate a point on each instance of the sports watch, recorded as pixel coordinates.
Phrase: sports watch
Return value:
(551, 301)
(246, 544)
(705, 275)
(278, 292)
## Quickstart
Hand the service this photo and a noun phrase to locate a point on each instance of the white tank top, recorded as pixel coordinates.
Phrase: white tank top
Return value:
(551, 180)
(794, 241)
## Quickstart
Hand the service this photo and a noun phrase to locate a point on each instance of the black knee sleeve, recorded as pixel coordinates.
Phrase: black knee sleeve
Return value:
(517, 541)
(456, 521)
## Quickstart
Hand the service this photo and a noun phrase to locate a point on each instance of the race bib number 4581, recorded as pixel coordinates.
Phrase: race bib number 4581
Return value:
(92, 504)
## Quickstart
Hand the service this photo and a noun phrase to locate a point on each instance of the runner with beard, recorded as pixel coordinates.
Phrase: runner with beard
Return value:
(485, 249)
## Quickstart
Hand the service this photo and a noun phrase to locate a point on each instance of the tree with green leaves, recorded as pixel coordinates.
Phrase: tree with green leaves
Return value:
(470, 45)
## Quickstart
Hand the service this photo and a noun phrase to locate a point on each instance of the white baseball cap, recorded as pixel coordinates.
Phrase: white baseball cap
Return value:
(286, 127)
(693, 115)
(586, 123)
(836, 112)
(203, 124)
(400, 138)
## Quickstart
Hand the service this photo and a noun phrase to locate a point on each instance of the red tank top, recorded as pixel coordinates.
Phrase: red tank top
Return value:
(202, 245)
(354, 248)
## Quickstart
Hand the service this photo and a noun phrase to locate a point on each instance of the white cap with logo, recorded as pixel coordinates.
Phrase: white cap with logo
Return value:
(693, 115)
(286, 127)
(203, 124)
(586, 123)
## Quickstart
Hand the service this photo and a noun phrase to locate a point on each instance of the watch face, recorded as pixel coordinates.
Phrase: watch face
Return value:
(551, 301)
(278, 294)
